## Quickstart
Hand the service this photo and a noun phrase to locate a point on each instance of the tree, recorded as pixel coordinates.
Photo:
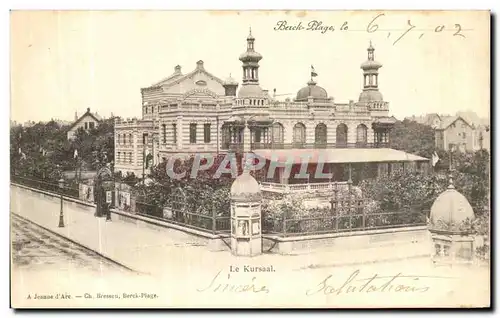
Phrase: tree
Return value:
(46, 152)
(203, 194)
(95, 146)
(412, 137)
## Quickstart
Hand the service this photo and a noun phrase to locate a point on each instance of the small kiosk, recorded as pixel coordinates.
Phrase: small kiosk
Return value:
(246, 200)
(452, 243)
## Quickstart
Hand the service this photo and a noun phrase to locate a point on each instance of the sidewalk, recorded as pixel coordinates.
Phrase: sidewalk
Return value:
(151, 251)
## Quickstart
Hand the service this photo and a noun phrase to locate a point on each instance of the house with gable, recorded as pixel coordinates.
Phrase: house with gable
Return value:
(455, 133)
(87, 121)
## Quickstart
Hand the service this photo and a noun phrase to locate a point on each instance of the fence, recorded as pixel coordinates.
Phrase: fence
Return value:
(316, 145)
(333, 221)
(344, 214)
(53, 187)
(212, 223)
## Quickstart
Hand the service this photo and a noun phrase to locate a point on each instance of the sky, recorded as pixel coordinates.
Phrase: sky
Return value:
(64, 62)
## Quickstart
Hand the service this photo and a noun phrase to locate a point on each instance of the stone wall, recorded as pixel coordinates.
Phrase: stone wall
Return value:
(407, 242)
(415, 241)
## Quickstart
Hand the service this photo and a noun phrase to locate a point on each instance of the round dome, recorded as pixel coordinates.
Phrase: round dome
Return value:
(317, 92)
(370, 96)
(450, 208)
(250, 90)
(245, 188)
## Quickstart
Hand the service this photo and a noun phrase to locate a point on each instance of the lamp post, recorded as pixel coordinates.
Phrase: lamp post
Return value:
(61, 215)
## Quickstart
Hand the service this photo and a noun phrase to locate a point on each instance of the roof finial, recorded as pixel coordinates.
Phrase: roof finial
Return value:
(250, 34)
(450, 185)
(247, 167)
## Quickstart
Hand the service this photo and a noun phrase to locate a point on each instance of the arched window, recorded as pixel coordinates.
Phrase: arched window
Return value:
(320, 135)
(361, 134)
(299, 134)
(278, 134)
(118, 139)
(130, 138)
(341, 136)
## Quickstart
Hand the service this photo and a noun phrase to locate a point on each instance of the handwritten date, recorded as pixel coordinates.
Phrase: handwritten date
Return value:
(374, 26)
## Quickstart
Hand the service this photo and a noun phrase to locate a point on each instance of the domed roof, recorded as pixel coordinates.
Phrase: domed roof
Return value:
(250, 56)
(250, 90)
(317, 92)
(370, 96)
(450, 208)
(230, 81)
(245, 188)
(369, 64)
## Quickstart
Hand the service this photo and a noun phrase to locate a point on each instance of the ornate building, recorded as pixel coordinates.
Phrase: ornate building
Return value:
(198, 112)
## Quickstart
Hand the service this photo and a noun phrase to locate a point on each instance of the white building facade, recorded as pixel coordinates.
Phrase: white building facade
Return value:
(198, 112)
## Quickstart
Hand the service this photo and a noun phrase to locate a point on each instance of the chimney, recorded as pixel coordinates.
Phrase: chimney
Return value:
(177, 69)
(199, 65)
(76, 115)
(88, 109)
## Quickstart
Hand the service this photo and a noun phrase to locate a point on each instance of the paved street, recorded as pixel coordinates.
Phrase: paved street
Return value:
(34, 248)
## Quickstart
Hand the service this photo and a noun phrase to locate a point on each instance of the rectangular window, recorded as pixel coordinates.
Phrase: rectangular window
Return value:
(86, 126)
(164, 127)
(118, 157)
(206, 133)
(130, 157)
(192, 133)
(91, 125)
(174, 128)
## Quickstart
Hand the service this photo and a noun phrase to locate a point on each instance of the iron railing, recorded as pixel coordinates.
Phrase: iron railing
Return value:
(212, 223)
(316, 145)
(344, 215)
(302, 145)
(52, 187)
(353, 220)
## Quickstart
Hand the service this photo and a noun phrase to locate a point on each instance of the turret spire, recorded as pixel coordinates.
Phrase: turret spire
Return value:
(370, 77)
(250, 61)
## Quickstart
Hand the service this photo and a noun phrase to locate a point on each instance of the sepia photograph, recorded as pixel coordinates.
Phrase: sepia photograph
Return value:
(250, 159)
